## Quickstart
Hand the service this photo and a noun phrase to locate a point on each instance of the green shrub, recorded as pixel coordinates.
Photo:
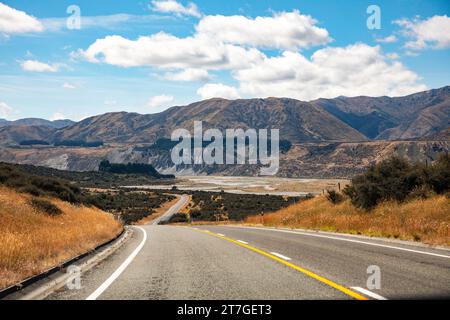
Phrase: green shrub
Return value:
(397, 179)
(439, 174)
(45, 206)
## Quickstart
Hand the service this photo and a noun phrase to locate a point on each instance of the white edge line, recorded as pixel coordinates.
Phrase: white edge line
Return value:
(219, 234)
(242, 241)
(119, 270)
(281, 256)
(369, 293)
(350, 240)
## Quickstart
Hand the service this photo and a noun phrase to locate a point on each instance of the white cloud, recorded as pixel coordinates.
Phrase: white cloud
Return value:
(67, 85)
(15, 21)
(393, 55)
(167, 51)
(188, 75)
(110, 22)
(57, 116)
(430, 33)
(160, 101)
(5, 110)
(37, 66)
(388, 39)
(231, 43)
(357, 69)
(218, 90)
(172, 6)
(285, 30)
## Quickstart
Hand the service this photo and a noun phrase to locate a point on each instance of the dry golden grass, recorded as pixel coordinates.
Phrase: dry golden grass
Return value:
(31, 241)
(427, 220)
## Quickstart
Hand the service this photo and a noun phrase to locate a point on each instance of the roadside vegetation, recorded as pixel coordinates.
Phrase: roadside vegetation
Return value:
(392, 199)
(127, 205)
(46, 220)
(223, 206)
(37, 233)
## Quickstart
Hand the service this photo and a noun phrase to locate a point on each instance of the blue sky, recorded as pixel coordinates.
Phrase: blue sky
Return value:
(144, 56)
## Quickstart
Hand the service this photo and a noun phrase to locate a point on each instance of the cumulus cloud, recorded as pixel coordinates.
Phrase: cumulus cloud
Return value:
(16, 21)
(168, 51)
(5, 110)
(430, 33)
(388, 39)
(160, 101)
(37, 66)
(172, 6)
(218, 90)
(357, 69)
(285, 30)
(235, 43)
(188, 75)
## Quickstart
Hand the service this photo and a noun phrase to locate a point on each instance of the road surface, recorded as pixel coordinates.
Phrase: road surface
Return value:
(228, 262)
(172, 210)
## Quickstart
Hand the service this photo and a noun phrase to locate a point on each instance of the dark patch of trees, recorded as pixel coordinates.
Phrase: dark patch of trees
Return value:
(131, 168)
(397, 179)
(78, 143)
(34, 142)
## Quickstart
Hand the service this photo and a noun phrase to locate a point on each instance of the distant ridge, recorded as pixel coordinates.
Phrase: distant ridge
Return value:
(413, 117)
(57, 124)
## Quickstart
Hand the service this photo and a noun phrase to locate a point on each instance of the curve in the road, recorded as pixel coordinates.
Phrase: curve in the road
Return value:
(119, 270)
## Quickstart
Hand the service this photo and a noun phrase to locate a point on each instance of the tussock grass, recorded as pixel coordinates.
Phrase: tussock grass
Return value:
(425, 220)
(32, 241)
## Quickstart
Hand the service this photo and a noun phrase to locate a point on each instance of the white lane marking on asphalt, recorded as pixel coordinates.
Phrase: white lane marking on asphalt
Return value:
(369, 293)
(119, 270)
(350, 240)
(219, 234)
(281, 256)
(242, 241)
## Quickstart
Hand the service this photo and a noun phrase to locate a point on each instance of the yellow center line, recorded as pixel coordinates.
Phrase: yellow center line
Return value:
(311, 274)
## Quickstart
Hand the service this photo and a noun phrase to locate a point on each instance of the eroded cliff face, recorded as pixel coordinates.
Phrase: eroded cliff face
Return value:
(318, 160)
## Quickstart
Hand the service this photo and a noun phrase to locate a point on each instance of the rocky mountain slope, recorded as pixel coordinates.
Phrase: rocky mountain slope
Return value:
(298, 122)
(341, 119)
(329, 137)
(410, 117)
(307, 160)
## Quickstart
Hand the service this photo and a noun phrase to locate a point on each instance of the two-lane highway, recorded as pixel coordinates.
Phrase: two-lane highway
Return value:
(228, 262)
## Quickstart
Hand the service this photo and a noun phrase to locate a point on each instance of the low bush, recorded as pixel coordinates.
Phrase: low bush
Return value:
(397, 179)
(45, 206)
(178, 217)
(334, 197)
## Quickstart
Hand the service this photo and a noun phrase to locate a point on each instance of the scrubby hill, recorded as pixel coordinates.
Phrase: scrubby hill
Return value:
(414, 116)
(33, 239)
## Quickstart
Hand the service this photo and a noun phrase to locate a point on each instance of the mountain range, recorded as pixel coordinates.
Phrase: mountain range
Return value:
(321, 130)
(414, 116)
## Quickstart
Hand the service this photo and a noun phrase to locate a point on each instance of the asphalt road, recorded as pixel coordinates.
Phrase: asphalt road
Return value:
(226, 262)
(172, 210)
